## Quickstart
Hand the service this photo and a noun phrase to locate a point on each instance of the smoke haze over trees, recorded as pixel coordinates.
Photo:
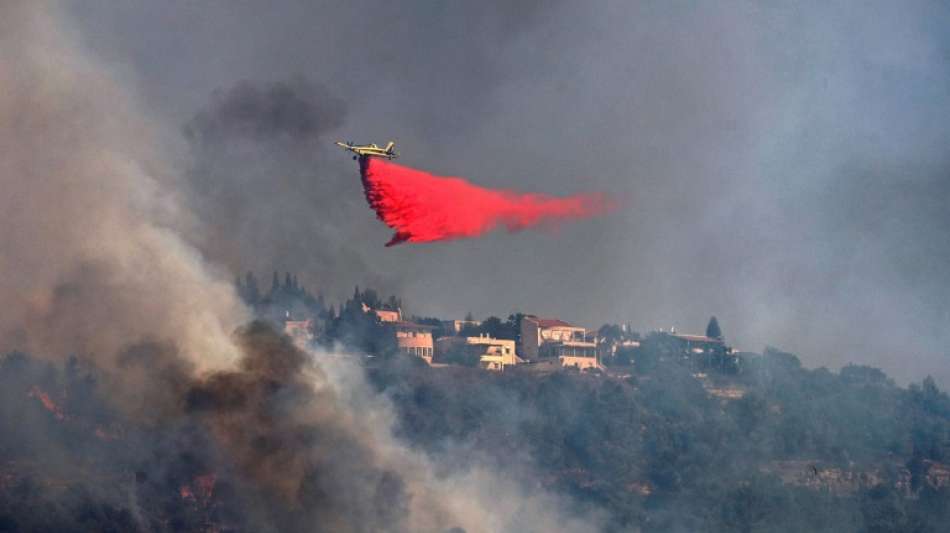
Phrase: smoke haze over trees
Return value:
(802, 450)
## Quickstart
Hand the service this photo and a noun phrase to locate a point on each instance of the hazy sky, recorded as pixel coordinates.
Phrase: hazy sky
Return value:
(786, 165)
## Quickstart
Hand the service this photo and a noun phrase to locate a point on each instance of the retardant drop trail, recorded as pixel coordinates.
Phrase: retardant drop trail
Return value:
(422, 207)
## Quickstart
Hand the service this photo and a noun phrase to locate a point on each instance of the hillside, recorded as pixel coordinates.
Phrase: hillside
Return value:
(789, 449)
(800, 450)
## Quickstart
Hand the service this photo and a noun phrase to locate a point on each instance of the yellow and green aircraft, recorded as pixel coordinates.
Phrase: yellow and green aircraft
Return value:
(367, 150)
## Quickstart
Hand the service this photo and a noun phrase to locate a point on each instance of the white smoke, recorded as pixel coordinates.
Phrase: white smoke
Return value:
(89, 258)
(477, 498)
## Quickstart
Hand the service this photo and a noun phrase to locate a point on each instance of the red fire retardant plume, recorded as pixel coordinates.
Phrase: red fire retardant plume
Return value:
(422, 207)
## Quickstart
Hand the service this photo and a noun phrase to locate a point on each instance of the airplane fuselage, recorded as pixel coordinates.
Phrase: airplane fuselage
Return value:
(370, 150)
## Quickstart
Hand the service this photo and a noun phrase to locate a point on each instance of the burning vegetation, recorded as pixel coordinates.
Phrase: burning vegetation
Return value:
(262, 447)
(145, 442)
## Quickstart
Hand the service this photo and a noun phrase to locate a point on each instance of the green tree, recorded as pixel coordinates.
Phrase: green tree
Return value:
(610, 332)
(288, 283)
(494, 327)
(712, 329)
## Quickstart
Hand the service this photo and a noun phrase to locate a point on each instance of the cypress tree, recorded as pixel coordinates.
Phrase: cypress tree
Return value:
(712, 329)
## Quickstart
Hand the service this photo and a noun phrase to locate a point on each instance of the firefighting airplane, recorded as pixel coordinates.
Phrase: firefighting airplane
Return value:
(366, 150)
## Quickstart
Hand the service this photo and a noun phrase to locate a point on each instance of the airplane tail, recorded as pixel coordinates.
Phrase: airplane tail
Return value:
(390, 146)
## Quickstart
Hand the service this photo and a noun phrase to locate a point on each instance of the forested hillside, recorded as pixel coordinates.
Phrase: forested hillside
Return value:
(801, 450)
(658, 450)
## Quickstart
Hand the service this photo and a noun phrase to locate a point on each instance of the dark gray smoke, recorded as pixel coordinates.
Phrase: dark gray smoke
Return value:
(325, 465)
(281, 425)
(263, 191)
(785, 164)
(297, 111)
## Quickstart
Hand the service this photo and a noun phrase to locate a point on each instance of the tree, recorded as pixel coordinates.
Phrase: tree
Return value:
(610, 332)
(252, 295)
(514, 326)
(371, 298)
(288, 283)
(712, 329)
(393, 303)
(494, 327)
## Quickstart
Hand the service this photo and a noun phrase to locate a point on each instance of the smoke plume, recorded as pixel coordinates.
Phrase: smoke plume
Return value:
(260, 184)
(89, 255)
(297, 110)
(173, 416)
(422, 207)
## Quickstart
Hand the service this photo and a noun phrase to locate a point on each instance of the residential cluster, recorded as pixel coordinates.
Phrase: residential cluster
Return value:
(541, 344)
(524, 342)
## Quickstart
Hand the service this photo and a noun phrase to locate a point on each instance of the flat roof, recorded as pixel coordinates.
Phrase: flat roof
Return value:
(696, 338)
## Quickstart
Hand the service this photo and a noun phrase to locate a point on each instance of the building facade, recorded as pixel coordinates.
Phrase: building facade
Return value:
(492, 354)
(693, 345)
(384, 315)
(578, 354)
(454, 327)
(699, 351)
(414, 339)
(550, 338)
(300, 331)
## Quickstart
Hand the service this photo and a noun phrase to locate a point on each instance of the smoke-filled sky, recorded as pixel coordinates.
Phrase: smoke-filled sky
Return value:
(785, 166)
(111, 264)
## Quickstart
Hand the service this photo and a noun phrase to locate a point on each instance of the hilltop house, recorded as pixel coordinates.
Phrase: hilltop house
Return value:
(554, 339)
(693, 345)
(411, 338)
(384, 315)
(492, 354)
(454, 327)
(414, 339)
(609, 346)
(698, 350)
(300, 331)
